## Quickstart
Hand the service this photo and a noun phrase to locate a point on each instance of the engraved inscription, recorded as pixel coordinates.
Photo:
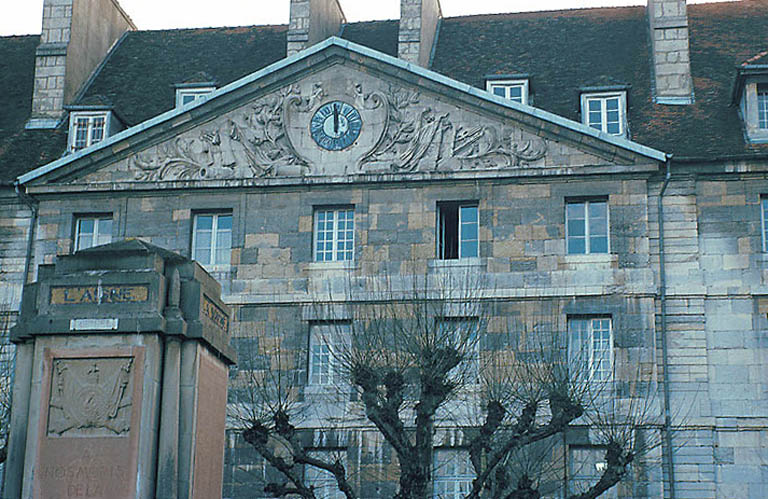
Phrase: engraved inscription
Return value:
(87, 476)
(215, 314)
(91, 397)
(78, 295)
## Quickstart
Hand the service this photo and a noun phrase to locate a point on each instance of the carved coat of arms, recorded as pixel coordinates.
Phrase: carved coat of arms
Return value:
(90, 397)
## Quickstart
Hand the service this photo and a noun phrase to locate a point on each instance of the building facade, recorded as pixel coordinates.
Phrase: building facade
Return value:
(602, 171)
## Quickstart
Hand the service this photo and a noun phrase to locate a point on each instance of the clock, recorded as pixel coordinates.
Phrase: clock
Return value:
(335, 125)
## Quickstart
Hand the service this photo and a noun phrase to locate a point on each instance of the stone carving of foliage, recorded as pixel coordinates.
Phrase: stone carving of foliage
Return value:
(90, 397)
(251, 143)
(419, 139)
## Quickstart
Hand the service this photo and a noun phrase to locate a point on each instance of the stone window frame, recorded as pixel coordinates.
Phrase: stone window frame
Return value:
(323, 338)
(460, 477)
(97, 237)
(588, 235)
(87, 121)
(324, 483)
(506, 85)
(193, 93)
(216, 214)
(749, 107)
(579, 358)
(470, 366)
(348, 253)
(764, 221)
(576, 474)
(441, 243)
(603, 97)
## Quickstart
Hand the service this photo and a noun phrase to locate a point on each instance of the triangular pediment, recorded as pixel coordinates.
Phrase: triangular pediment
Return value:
(338, 111)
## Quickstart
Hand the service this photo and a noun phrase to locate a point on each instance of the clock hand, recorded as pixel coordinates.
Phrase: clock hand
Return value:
(335, 118)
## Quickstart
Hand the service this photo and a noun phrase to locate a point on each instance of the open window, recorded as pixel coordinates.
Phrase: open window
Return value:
(458, 227)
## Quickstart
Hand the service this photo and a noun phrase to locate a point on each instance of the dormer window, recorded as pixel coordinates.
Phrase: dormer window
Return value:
(605, 111)
(750, 93)
(762, 106)
(512, 89)
(87, 129)
(186, 94)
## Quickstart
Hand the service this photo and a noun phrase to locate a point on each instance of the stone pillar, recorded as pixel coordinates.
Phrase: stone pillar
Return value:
(122, 379)
(671, 54)
(76, 36)
(418, 28)
(313, 21)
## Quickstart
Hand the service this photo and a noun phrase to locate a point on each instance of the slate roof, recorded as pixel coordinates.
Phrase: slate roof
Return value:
(562, 51)
(21, 150)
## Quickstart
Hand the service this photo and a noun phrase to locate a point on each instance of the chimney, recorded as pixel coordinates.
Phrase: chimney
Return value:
(418, 30)
(671, 54)
(76, 36)
(313, 21)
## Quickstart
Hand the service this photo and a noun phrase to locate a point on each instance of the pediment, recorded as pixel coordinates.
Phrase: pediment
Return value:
(343, 119)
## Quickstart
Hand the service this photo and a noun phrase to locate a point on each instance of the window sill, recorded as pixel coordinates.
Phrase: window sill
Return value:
(600, 260)
(332, 393)
(456, 263)
(323, 266)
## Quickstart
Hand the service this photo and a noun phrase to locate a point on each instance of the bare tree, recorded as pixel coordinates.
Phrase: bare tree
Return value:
(7, 356)
(426, 351)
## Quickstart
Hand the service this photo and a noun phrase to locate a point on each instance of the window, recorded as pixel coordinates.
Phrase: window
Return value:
(605, 112)
(764, 205)
(762, 107)
(86, 129)
(457, 231)
(212, 238)
(516, 90)
(462, 334)
(586, 464)
(453, 473)
(190, 94)
(334, 234)
(92, 231)
(324, 483)
(590, 347)
(586, 226)
(326, 340)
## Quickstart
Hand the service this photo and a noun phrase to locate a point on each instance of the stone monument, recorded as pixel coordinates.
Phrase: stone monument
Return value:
(121, 378)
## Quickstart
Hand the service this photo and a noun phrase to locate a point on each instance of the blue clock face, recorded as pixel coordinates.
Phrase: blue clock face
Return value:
(335, 126)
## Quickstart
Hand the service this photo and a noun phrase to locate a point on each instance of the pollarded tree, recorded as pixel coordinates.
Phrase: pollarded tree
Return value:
(430, 351)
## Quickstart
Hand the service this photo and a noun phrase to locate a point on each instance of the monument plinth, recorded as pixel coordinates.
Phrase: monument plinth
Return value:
(121, 378)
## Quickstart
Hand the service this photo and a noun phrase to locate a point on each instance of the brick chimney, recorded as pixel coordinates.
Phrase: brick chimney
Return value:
(418, 29)
(668, 21)
(313, 21)
(76, 36)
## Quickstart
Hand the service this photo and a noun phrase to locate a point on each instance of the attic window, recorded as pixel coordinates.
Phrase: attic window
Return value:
(762, 106)
(516, 90)
(87, 129)
(605, 111)
(185, 95)
(750, 93)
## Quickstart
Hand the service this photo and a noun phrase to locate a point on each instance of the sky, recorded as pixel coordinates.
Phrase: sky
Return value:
(24, 17)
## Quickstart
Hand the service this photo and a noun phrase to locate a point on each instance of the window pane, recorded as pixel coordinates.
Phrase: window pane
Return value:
(516, 93)
(204, 222)
(598, 245)
(453, 474)
(762, 107)
(576, 246)
(87, 225)
(500, 91)
(576, 228)
(97, 131)
(224, 222)
(594, 105)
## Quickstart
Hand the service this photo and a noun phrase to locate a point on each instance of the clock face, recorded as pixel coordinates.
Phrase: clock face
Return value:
(335, 126)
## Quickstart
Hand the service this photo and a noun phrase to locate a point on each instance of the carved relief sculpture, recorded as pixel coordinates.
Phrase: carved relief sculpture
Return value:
(403, 133)
(420, 138)
(90, 397)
